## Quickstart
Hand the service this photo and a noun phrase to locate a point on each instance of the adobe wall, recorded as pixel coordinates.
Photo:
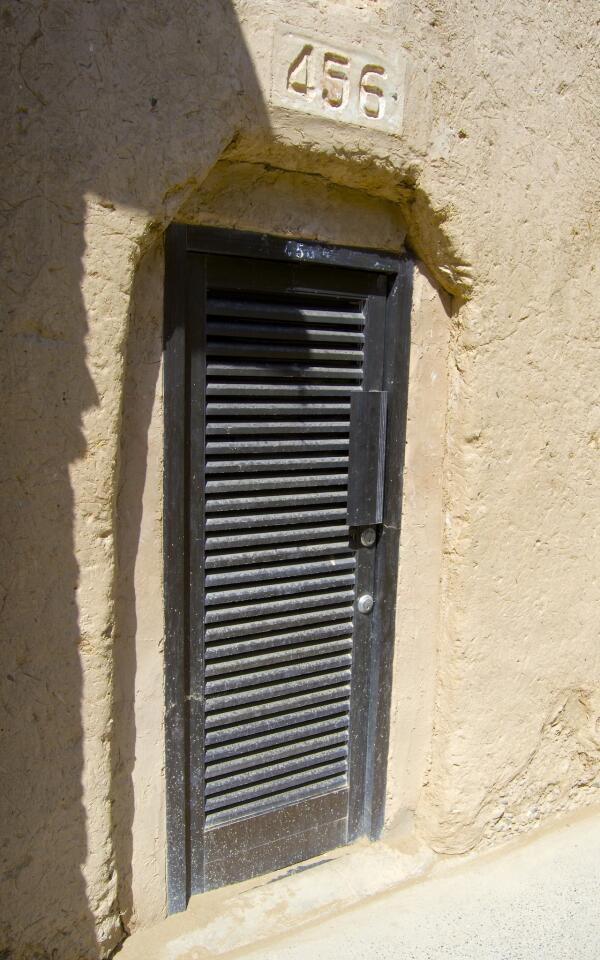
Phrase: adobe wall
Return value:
(117, 117)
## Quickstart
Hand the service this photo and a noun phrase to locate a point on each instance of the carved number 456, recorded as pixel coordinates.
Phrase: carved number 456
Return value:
(334, 82)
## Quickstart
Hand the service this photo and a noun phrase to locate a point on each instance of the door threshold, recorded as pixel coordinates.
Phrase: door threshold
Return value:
(242, 915)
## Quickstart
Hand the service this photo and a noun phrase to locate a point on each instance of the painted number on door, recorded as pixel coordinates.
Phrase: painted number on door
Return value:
(345, 85)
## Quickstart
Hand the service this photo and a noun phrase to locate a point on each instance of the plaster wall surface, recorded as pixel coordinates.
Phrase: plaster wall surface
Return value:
(114, 116)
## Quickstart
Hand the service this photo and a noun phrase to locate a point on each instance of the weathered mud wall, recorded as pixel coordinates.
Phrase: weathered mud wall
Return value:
(107, 106)
(115, 115)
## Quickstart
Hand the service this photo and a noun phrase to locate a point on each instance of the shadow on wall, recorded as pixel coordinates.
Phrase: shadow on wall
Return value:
(121, 100)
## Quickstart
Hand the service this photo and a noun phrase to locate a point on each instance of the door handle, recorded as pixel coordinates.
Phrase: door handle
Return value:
(365, 603)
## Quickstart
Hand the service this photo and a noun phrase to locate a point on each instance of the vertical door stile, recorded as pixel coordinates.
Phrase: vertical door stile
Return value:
(175, 568)
(395, 381)
(360, 707)
(196, 330)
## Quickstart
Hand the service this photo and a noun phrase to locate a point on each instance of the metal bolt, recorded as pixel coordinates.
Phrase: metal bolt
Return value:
(365, 603)
(367, 537)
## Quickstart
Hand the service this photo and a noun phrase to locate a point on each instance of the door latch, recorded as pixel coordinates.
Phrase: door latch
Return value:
(366, 458)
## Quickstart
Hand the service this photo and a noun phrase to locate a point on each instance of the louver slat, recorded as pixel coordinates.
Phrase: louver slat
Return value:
(276, 483)
(278, 426)
(284, 313)
(298, 445)
(292, 587)
(275, 784)
(292, 390)
(304, 619)
(263, 677)
(242, 751)
(267, 607)
(282, 708)
(269, 640)
(289, 725)
(222, 785)
(273, 331)
(281, 371)
(272, 465)
(274, 753)
(287, 571)
(276, 656)
(283, 793)
(280, 500)
(234, 348)
(298, 551)
(305, 409)
(279, 569)
(260, 537)
(274, 519)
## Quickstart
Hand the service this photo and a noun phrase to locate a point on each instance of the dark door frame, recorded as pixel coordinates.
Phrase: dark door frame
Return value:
(182, 243)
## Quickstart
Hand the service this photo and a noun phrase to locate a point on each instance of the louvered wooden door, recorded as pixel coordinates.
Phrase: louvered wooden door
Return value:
(279, 659)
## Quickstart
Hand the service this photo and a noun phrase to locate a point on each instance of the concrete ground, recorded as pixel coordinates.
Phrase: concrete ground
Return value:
(537, 899)
(541, 900)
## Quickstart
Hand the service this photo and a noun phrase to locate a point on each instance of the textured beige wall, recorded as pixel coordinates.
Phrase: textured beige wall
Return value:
(115, 114)
(418, 604)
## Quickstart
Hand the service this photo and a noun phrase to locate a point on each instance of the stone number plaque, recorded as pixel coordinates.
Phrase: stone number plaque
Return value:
(328, 80)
